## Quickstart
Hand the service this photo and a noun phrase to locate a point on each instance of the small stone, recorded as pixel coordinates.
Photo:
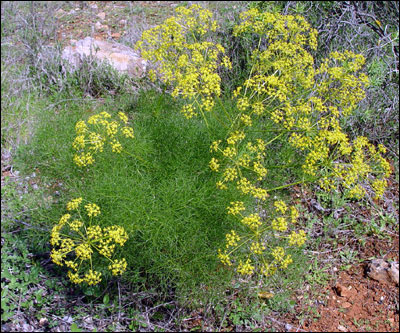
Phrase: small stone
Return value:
(123, 22)
(346, 305)
(288, 327)
(393, 272)
(101, 15)
(342, 291)
(342, 328)
(116, 35)
(27, 328)
(43, 322)
(98, 25)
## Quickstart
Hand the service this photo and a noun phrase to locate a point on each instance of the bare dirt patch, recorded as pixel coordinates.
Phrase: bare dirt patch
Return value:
(354, 302)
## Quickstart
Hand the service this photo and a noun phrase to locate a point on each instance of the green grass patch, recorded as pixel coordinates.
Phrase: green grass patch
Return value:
(166, 199)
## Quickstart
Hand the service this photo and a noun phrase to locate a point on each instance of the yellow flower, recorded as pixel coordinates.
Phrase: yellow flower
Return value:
(294, 214)
(94, 232)
(278, 253)
(81, 127)
(224, 257)
(232, 238)
(74, 277)
(235, 137)
(253, 221)
(123, 117)
(215, 145)
(379, 186)
(57, 257)
(286, 262)
(245, 268)
(83, 159)
(257, 248)
(280, 206)
(83, 251)
(118, 266)
(221, 185)
(71, 264)
(297, 239)
(64, 219)
(269, 269)
(117, 233)
(92, 277)
(128, 132)
(279, 224)
(236, 207)
(230, 174)
(112, 128)
(105, 248)
(74, 204)
(75, 225)
(105, 115)
(116, 146)
(92, 209)
(79, 142)
(214, 164)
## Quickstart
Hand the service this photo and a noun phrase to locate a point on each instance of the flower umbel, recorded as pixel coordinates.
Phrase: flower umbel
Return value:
(87, 243)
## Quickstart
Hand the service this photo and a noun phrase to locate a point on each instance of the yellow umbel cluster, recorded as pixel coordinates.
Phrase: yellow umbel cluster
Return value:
(306, 104)
(87, 243)
(265, 262)
(185, 59)
(96, 132)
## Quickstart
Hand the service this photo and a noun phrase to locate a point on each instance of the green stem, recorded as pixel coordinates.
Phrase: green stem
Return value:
(252, 68)
(223, 108)
(140, 159)
(283, 166)
(289, 185)
(275, 138)
(204, 117)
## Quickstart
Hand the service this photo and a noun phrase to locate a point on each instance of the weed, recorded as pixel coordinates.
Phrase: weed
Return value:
(317, 274)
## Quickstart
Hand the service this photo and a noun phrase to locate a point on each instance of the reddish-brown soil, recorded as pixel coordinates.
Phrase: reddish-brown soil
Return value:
(366, 305)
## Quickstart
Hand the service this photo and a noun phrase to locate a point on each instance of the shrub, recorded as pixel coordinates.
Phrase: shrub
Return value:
(188, 190)
(284, 93)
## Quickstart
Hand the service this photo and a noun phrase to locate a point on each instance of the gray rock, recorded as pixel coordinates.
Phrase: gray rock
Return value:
(101, 15)
(123, 58)
(393, 272)
(380, 270)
